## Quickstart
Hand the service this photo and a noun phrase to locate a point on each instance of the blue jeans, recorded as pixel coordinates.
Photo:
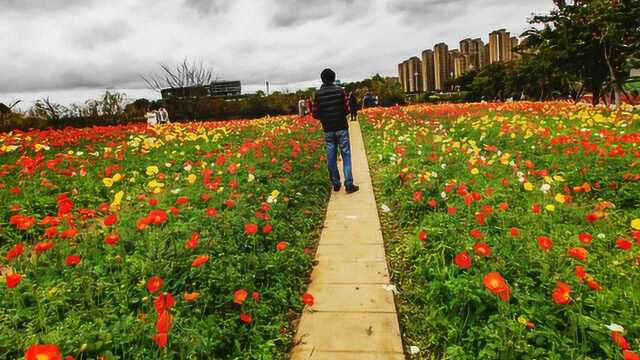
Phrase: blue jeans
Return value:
(333, 140)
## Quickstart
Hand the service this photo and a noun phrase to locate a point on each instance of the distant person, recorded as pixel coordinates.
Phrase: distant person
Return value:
(368, 101)
(331, 107)
(151, 117)
(164, 115)
(307, 104)
(302, 107)
(353, 104)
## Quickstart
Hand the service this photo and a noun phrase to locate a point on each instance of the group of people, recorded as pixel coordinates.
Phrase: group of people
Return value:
(159, 116)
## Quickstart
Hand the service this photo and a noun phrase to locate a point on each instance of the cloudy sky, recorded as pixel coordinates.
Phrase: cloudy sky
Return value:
(72, 50)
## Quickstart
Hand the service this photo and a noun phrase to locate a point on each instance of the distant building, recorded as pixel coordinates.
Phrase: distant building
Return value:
(415, 79)
(477, 58)
(215, 89)
(225, 88)
(453, 55)
(500, 46)
(440, 65)
(428, 74)
(401, 76)
(460, 65)
(514, 44)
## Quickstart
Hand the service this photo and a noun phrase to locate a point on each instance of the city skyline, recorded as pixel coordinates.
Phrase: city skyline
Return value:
(443, 63)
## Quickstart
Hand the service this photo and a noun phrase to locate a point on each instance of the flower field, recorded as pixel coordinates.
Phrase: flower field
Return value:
(512, 230)
(185, 241)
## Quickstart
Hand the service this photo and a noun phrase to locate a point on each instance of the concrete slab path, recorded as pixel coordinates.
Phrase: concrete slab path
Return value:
(354, 315)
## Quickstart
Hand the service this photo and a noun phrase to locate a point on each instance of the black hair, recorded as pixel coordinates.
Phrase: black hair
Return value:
(328, 76)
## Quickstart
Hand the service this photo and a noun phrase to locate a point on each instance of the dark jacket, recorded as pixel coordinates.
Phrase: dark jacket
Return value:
(331, 107)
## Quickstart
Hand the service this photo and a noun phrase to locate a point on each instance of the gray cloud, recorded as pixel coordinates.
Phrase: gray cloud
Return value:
(294, 12)
(57, 45)
(209, 6)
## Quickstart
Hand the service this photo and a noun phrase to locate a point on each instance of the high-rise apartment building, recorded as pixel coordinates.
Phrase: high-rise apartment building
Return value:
(415, 71)
(428, 74)
(476, 53)
(460, 65)
(440, 65)
(500, 45)
(401, 75)
(453, 54)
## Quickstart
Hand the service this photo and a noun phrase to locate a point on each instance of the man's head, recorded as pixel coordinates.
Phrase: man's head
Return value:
(328, 76)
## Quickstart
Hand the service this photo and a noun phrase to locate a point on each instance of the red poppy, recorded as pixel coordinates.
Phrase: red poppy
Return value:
(163, 323)
(72, 260)
(561, 294)
(228, 203)
(239, 296)
(22, 222)
(111, 239)
(182, 200)
(246, 318)
(580, 272)
(515, 232)
(43, 352)
(69, 233)
(307, 299)
(110, 220)
(250, 229)
(199, 260)
(593, 284)
(153, 202)
(422, 235)
(211, 212)
(417, 196)
(157, 217)
(545, 243)
(174, 211)
(13, 280)
(630, 355)
(432, 203)
(503, 206)
(43, 246)
(451, 210)
(592, 217)
(624, 244)
(585, 238)
(51, 232)
(193, 242)
(495, 283)
(255, 295)
(475, 233)
(160, 339)
(267, 229)
(619, 340)
(163, 302)
(536, 208)
(15, 251)
(154, 284)
(578, 253)
(482, 249)
(463, 260)
(282, 245)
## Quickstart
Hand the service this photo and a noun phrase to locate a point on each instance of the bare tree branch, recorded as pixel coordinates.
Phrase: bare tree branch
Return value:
(182, 75)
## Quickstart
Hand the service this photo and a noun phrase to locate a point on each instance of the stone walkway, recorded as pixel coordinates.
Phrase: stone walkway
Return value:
(354, 316)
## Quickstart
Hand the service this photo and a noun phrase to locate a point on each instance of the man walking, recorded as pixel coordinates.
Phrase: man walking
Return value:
(331, 107)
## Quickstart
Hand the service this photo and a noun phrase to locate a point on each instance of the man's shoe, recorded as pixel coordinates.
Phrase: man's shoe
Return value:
(336, 188)
(352, 188)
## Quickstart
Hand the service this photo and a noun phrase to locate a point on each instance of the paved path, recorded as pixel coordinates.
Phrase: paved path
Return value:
(354, 316)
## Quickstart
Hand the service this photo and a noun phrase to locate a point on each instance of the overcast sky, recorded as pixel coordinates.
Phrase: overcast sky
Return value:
(74, 49)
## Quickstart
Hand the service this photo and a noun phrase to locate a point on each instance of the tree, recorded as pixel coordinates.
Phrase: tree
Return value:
(591, 44)
(184, 75)
(45, 108)
(6, 109)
